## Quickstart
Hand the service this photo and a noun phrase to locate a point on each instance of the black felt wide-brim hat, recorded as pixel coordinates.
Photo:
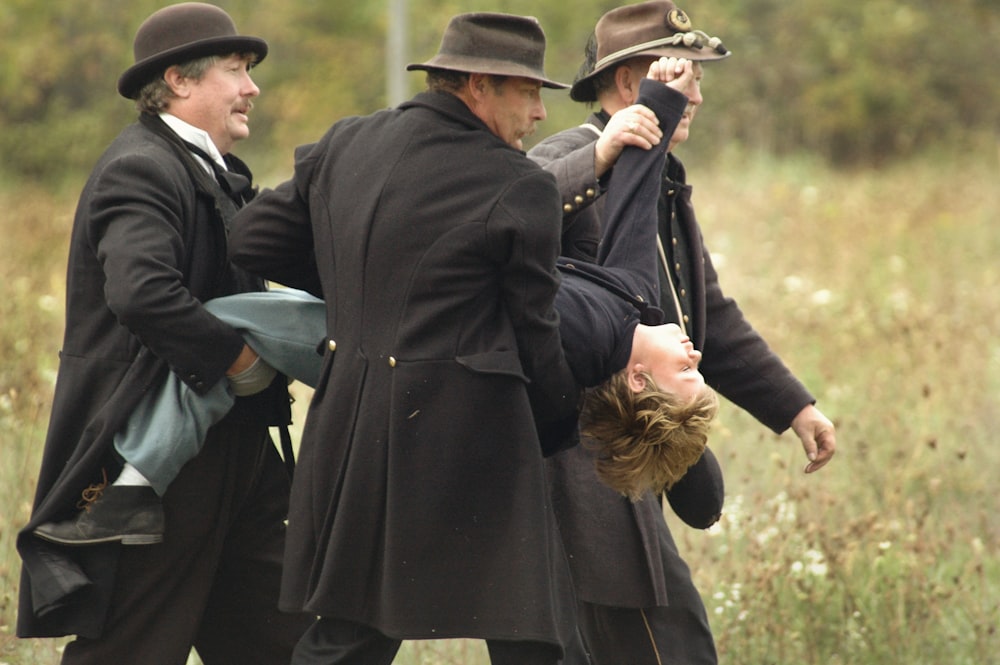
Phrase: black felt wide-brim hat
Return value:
(180, 33)
(492, 43)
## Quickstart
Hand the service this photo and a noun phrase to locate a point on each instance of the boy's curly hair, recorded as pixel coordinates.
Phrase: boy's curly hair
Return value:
(644, 440)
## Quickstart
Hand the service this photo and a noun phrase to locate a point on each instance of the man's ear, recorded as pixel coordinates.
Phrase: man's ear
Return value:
(627, 84)
(636, 375)
(477, 85)
(178, 83)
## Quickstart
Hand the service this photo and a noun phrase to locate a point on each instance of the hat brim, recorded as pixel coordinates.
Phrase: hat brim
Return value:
(139, 74)
(583, 89)
(470, 65)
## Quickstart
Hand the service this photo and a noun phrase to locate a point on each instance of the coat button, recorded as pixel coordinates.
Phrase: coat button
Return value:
(392, 361)
(568, 207)
(332, 345)
(591, 193)
(578, 199)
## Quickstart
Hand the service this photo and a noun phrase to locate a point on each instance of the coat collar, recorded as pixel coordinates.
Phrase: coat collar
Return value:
(225, 205)
(453, 108)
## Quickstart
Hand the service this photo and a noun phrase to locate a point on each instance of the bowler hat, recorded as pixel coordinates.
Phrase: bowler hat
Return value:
(656, 28)
(181, 33)
(491, 43)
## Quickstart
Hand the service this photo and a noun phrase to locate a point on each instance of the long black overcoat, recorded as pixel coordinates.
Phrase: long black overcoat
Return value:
(420, 505)
(148, 246)
(622, 553)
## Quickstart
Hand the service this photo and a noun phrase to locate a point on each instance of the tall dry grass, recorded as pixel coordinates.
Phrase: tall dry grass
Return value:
(879, 288)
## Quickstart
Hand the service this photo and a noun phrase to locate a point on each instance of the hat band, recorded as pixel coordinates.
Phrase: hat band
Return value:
(693, 39)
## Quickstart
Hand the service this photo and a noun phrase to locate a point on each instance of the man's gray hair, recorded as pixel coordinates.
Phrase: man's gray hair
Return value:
(446, 80)
(155, 96)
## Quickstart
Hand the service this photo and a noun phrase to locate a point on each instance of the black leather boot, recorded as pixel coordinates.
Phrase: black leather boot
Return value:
(126, 513)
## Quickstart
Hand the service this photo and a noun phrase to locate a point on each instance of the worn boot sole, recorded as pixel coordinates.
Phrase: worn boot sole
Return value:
(130, 539)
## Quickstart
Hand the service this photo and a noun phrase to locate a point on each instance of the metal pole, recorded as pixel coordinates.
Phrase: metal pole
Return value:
(396, 49)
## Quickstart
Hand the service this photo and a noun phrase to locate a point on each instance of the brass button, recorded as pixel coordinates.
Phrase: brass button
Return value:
(684, 293)
(686, 319)
(578, 199)
(568, 207)
(332, 345)
(677, 267)
(591, 193)
(392, 361)
(674, 240)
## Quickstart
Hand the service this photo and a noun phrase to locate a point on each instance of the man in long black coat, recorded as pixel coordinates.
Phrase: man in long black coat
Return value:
(148, 247)
(419, 507)
(638, 602)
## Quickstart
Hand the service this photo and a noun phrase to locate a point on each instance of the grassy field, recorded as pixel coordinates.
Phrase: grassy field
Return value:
(879, 288)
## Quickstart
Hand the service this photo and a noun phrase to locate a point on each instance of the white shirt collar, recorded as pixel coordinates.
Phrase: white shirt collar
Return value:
(198, 137)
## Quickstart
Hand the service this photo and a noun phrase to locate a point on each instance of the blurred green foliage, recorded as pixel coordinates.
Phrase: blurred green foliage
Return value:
(853, 83)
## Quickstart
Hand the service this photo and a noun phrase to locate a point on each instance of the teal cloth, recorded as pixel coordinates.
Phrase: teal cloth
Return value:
(168, 427)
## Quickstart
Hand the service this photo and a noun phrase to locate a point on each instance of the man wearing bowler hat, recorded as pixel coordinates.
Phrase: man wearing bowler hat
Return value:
(420, 508)
(148, 247)
(638, 604)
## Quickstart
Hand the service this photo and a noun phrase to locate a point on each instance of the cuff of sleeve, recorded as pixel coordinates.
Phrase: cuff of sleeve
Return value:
(253, 379)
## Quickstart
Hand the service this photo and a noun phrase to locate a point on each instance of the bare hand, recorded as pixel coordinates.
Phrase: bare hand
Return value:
(677, 73)
(818, 436)
(637, 125)
(634, 125)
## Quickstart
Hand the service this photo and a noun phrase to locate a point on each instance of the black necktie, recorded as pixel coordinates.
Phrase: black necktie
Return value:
(236, 186)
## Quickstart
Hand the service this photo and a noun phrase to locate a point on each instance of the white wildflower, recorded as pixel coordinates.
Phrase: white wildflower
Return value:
(822, 297)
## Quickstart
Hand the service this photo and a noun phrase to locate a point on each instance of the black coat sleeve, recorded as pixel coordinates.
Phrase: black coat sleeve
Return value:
(273, 235)
(139, 221)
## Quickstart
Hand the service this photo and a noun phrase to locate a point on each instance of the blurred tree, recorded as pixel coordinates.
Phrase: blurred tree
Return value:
(855, 83)
(323, 65)
(59, 63)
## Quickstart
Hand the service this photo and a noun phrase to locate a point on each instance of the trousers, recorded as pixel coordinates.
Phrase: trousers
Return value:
(677, 634)
(169, 426)
(214, 581)
(340, 642)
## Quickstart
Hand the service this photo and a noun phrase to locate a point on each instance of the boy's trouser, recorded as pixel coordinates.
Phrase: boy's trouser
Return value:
(168, 427)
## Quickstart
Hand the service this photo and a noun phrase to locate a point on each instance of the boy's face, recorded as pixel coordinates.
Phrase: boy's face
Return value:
(672, 361)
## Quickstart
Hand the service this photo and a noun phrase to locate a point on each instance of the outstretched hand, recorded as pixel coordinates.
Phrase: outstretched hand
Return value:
(818, 436)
